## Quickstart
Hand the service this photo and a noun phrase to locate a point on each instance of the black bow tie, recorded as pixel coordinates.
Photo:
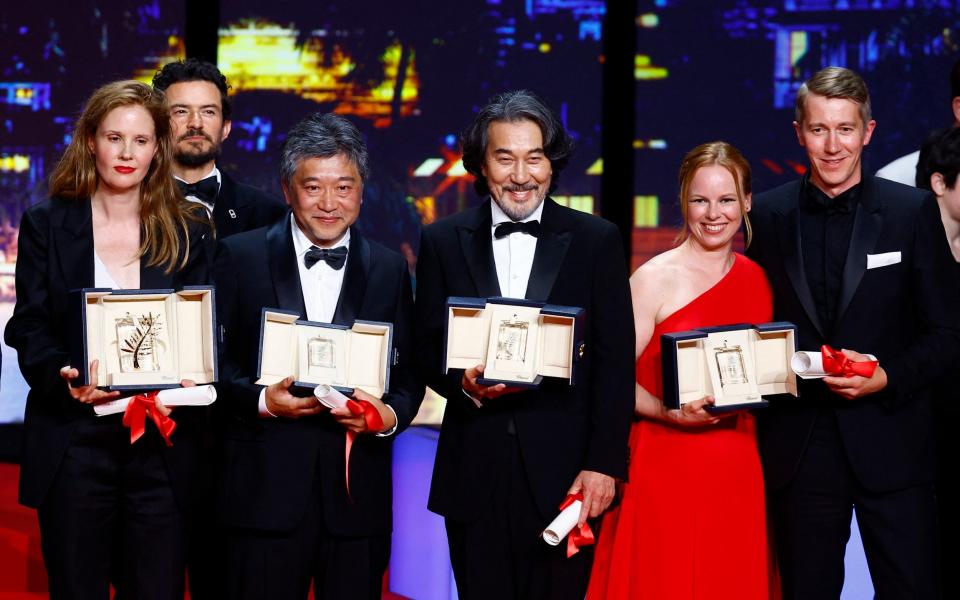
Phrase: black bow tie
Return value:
(528, 227)
(334, 257)
(204, 190)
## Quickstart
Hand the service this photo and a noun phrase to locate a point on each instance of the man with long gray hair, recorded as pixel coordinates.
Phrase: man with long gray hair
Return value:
(508, 456)
(293, 514)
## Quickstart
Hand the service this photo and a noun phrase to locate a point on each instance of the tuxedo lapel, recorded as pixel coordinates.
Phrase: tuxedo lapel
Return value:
(354, 284)
(283, 267)
(551, 249)
(74, 243)
(866, 231)
(476, 243)
(788, 232)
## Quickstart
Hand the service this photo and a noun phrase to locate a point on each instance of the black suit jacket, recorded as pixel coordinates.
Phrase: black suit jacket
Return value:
(561, 429)
(271, 464)
(904, 313)
(240, 207)
(55, 256)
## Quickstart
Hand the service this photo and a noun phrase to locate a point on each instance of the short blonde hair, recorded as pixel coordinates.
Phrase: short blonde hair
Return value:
(835, 82)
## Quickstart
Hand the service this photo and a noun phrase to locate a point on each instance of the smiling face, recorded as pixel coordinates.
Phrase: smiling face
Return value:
(713, 209)
(123, 148)
(834, 135)
(196, 116)
(325, 195)
(517, 171)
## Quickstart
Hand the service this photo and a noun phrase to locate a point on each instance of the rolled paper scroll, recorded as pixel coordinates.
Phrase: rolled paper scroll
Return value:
(198, 395)
(565, 526)
(562, 524)
(329, 397)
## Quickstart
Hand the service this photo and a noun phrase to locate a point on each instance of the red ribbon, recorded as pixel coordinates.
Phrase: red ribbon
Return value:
(142, 406)
(836, 362)
(374, 424)
(580, 535)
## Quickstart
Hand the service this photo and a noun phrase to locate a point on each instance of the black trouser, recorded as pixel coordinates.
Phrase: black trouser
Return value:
(280, 566)
(110, 516)
(812, 516)
(501, 554)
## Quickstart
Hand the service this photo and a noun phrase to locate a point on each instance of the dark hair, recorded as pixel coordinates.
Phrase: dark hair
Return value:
(194, 69)
(940, 153)
(322, 135)
(510, 107)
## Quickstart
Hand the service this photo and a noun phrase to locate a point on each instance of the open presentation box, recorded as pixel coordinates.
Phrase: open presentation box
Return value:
(519, 342)
(739, 365)
(359, 356)
(145, 339)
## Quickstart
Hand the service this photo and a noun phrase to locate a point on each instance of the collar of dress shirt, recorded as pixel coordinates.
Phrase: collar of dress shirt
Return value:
(301, 244)
(498, 216)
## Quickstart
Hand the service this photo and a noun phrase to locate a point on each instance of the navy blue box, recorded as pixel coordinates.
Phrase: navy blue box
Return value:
(190, 347)
(287, 334)
(691, 369)
(557, 343)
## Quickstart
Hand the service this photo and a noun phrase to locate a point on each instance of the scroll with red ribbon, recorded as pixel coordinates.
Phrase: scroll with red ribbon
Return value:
(142, 406)
(565, 525)
(374, 423)
(815, 365)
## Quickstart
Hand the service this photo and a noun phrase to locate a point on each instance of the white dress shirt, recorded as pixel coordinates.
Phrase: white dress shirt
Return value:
(513, 254)
(513, 257)
(321, 283)
(206, 205)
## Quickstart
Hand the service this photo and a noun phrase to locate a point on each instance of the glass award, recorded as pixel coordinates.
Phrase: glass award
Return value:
(321, 354)
(512, 339)
(730, 364)
(137, 342)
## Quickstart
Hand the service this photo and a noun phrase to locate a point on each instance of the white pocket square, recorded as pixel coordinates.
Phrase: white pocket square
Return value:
(882, 260)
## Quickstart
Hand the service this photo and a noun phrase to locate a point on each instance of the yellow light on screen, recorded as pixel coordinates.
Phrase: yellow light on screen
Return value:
(646, 211)
(457, 169)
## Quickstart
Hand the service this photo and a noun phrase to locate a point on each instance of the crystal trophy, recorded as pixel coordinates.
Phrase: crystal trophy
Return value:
(512, 340)
(320, 354)
(730, 364)
(137, 342)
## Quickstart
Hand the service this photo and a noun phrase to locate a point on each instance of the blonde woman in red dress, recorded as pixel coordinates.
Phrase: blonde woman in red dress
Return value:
(691, 522)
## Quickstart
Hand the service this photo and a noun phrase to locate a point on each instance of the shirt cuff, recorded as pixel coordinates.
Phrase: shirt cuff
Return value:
(474, 399)
(396, 423)
(262, 405)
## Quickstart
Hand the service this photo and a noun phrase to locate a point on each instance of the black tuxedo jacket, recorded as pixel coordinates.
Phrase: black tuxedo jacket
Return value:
(55, 256)
(904, 313)
(271, 464)
(240, 207)
(561, 429)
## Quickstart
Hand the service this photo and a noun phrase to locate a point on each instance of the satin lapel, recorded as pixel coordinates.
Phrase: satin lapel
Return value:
(788, 230)
(75, 244)
(551, 249)
(867, 224)
(354, 280)
(477, 246)
(283, 267)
